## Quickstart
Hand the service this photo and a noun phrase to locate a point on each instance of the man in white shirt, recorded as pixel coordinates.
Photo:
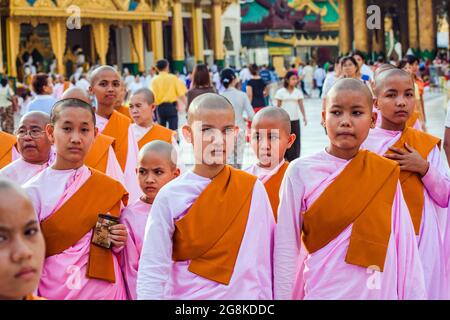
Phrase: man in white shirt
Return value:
(42, 85)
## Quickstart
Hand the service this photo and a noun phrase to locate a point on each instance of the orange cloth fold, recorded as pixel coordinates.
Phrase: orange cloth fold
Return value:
(33, 297)
(273, 188)
(97, 157)
(117, 128)
(412, 119)
(211, 232)
(124, 110)
(79, 215)
(361, 195)
(7, 142)
(157, 132)
(412, 185)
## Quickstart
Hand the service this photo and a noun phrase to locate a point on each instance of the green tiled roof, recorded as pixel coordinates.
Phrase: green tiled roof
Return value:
(256, 12)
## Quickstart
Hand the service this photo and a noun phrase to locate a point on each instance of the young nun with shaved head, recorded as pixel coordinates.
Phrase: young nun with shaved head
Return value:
(71, 200)
(271, 137)
(101, 155)
(156, 167)
(8, 149)
(106, 85)
(344, 206)
(413, 120)
(424, 175)
(209, 234)
(34, 146)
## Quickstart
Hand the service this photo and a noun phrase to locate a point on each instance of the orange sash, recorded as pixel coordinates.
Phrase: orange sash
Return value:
(211, 232)
(273, 188)
(117, 128)
(412, 120)
(157, 132)
(7, 142)
(412, 185)
(125, 111)
(33, 297)
(361, 195)
(79, 215)
(97, 157)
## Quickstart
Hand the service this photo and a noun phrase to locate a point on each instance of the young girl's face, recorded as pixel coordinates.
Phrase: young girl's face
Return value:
(141, 111)
(154, 172)
(107, 88)
(348, 118)
(270, 141)
(293, 81)
(22, 247)
(349, 69)
(72, 134)
(213, 136)
(396, 99)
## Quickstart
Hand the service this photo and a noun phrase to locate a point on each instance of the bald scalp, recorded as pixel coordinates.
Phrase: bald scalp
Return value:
(208, 101)
(278, 114)
(77, 93)
(380, 80)
(147, 94)
(93, 78)
(354, 85)
(161, 148)
(8, 187)
(40, 116)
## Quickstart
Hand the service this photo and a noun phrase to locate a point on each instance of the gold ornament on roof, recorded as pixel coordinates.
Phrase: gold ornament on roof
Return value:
(309, 6)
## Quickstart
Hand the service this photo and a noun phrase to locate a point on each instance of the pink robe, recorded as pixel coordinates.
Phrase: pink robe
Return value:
(324, 275)
(161, 278)
(130, 176)
(436, 195)
(263, 174)
(134, 217)
(64, 275)
(140, 132)
(21, 171)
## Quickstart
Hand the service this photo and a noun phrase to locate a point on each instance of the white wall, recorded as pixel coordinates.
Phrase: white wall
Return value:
(232, 18)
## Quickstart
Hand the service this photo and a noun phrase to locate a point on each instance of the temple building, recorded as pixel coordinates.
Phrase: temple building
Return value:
(61, 35)
(284, 31)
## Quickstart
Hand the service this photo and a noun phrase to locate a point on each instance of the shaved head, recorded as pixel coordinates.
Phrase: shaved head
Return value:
(384, 67)
(208, 101)
(147, 94)
(354, 85)
(8, 187)
(42, 117)
(163, 149)
(278, 114)
(102, 69)
(77, 93)
(382, 77)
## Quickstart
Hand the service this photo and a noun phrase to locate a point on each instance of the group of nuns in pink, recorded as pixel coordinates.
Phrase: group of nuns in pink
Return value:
(302, 249)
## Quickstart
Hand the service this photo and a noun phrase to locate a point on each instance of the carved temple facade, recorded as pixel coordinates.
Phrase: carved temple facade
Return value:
(284, 31)
(123, 32)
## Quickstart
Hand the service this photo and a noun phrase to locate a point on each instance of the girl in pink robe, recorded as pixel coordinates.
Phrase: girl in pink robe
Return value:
(64, 274)
(436, 195)
(395, 95)
(161, 278)
(325, 274)
(156, 168)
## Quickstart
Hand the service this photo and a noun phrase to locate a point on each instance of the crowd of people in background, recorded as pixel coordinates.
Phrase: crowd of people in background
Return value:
(250, 89)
